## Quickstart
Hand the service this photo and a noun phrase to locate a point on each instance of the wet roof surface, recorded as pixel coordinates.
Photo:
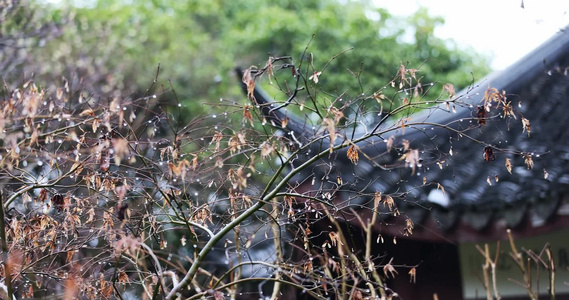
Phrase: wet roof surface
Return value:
(477, 192)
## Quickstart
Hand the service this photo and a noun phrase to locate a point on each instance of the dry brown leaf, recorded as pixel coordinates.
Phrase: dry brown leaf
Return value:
(488, 154)
(266, 149)
(408, 227)
(389, 270)
(284, 122)
(249, 81)
(353, 155)
(194, 163)
(481, 115)
(335, 238)
(338, 115)
(219, 162)
(105, 162)
(406, 144)
(247, 114)
(120, 147)
(71, 289)
(442, 188)
(88, 112)
(449, 88)
(526, 126)
(389, 142)
(314, 76)
(388, 201)
(95, 125)
(528, 160)
(217, 139)
(412, 159)
(508, 165)
(508, 110)
(413, 275)
(331, 128)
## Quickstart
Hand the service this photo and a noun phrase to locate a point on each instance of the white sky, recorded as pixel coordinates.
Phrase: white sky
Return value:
(501, 29)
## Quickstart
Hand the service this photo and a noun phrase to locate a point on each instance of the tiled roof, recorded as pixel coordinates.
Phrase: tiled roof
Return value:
(481, 198)
(481, 195)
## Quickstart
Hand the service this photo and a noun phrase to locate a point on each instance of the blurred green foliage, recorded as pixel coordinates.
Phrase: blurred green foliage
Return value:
(114, 47)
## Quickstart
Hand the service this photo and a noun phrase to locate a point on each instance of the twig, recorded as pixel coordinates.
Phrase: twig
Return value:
(7, 267)
(526, 271)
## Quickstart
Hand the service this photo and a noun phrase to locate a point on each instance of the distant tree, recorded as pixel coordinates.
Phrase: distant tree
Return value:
(114, 47)
(23, 28)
